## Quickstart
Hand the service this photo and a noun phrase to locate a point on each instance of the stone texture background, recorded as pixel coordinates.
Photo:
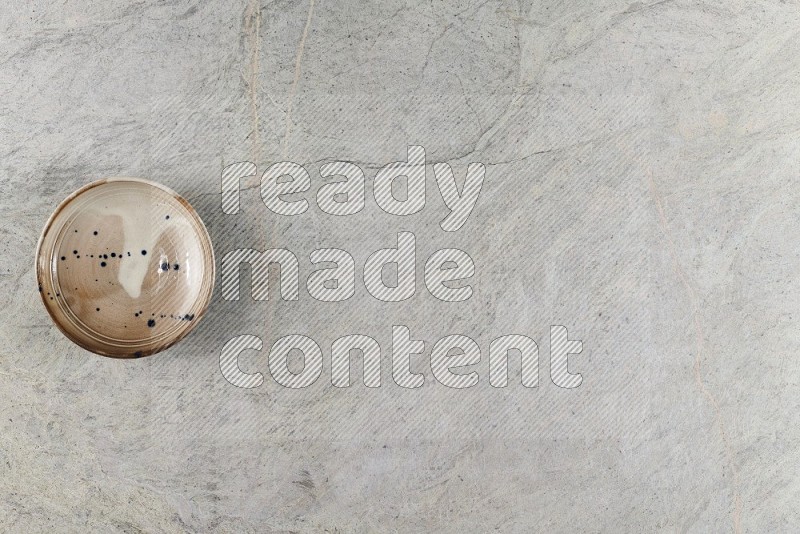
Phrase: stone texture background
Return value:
(641, 190)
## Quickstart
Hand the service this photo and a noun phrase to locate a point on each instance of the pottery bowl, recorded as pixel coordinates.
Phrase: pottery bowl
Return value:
(125, 267)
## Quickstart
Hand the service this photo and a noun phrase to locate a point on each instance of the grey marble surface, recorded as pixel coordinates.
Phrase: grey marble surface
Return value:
(641, 189)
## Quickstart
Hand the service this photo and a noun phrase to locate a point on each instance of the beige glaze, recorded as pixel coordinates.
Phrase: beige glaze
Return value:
(125, 267)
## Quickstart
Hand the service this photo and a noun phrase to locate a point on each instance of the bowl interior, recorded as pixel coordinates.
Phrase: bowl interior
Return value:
(125, 267)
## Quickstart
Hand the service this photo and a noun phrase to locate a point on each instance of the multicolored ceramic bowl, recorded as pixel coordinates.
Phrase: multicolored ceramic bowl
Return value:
(125, 267)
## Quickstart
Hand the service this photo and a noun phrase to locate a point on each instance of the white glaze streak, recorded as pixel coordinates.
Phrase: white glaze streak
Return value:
(139, 233)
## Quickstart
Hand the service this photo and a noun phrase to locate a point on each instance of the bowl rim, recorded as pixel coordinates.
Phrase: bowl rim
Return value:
(203, 234)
